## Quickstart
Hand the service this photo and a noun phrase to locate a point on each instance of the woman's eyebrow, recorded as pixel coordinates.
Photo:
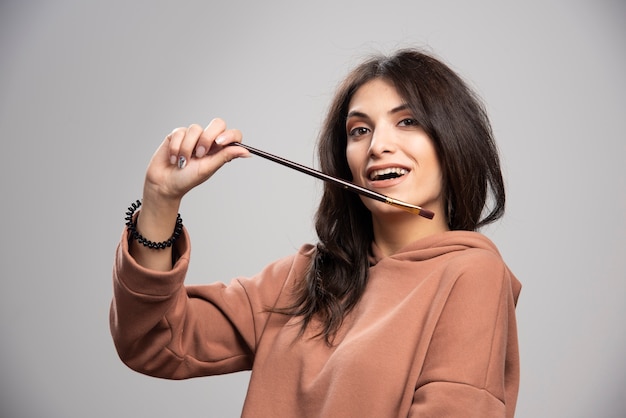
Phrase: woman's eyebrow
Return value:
(358, 114)
(400, 108)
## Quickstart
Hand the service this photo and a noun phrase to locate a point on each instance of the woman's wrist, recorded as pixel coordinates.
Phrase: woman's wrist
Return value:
(152, 232)
(132, 217)
(157, 219)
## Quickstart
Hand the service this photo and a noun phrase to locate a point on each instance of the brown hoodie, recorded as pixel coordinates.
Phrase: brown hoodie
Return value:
(434, 334)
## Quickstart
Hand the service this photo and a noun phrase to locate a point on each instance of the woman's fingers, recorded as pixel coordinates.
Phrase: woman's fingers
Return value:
(220, 152)
(215, 128)
(175, 141)
(189, 156)
(196, 142)
(187, 145)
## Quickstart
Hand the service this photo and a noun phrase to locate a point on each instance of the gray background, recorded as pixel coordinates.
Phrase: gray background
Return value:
(89, 89)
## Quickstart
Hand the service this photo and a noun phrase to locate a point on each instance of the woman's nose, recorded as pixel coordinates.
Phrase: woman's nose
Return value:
(382, 142)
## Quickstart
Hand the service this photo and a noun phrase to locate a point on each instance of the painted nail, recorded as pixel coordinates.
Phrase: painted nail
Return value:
(182, 162)
(220, 139)
(200, 151)
(173, 159)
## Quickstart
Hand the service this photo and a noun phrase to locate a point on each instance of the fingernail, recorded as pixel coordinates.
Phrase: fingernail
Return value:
(173, 159)
(220, 139)
(200, 151)
(182, 162)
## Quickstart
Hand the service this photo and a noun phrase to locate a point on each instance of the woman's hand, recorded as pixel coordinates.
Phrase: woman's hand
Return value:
(188, 157)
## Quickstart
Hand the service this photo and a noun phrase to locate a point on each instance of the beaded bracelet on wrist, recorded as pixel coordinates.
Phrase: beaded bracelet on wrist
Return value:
(131, 225)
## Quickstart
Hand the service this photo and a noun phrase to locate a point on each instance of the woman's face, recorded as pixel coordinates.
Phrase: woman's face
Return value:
(388, 152)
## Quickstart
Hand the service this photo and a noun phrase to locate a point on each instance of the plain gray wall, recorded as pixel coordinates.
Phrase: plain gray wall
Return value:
(89, 89)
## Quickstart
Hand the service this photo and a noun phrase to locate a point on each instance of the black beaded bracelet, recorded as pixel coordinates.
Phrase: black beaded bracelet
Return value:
(133, 233)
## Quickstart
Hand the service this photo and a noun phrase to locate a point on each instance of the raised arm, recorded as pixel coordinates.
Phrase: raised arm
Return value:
(154, 322)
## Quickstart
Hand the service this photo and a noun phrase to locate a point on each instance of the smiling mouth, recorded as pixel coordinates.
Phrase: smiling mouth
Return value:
(387, 173)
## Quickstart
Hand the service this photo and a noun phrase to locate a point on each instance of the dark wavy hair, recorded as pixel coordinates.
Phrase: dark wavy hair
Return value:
(455, 119)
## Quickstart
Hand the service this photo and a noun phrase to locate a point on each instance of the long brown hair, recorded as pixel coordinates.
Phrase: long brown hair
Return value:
(455, 119)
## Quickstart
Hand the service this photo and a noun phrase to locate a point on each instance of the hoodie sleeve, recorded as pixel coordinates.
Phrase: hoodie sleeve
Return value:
(162, 328)
(472, 365)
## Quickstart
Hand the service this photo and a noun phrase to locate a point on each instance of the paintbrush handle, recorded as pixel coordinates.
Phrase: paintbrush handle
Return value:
(340, 182)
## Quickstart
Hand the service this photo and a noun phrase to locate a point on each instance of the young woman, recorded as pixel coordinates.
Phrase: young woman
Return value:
(390, 314)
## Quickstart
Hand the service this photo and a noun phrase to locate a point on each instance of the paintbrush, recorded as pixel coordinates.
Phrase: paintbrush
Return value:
(340, 182)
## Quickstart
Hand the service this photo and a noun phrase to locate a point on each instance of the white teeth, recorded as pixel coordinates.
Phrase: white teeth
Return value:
(395, 170)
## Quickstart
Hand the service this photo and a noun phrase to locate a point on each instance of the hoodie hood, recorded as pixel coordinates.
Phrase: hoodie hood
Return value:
(437, 245)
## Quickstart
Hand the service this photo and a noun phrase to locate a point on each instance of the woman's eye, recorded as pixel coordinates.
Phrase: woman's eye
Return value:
(358, 131)
(408, 122)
